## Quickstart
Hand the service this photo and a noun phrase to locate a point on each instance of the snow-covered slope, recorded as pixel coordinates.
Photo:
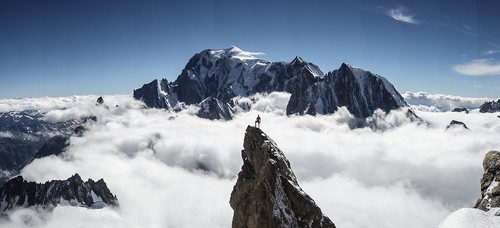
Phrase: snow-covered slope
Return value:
(228, 73)
(471, 217)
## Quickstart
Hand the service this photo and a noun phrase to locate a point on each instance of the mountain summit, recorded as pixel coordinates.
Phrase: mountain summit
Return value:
(267, 193)
(222, 75)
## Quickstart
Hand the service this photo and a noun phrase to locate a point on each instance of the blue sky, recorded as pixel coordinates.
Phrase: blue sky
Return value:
(61, 48)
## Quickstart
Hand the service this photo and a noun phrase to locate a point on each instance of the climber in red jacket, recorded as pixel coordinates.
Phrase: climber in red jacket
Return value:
(257, 121)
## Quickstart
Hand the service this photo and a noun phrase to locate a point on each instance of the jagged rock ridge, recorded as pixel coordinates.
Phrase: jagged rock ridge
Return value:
(461, 110)
(456, 123)
(490, 106)
(18, 192)
(490, 188)
(267, 193)
(222, 75)
(360, 91)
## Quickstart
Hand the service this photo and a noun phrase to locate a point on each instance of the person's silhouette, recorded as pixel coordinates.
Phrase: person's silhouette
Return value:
(257, 121)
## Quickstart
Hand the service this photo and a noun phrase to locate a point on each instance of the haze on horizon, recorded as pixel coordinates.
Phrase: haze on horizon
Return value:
(62, 48)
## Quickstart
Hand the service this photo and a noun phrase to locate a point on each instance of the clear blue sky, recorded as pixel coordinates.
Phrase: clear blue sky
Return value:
(61, 48)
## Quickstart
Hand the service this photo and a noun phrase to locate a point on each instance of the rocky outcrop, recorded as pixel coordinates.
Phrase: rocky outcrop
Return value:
(214, 109)
(18, 192)
(222, 75)
(490, 189)
(461, 110)
(490, 106)
(456, 123)
(54, 146)
(267, 193)
(24, 133)
(100, 100)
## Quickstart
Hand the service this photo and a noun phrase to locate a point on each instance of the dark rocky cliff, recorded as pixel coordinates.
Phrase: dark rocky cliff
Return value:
(490, 189)
(18, 192)
(490, 106)
(267, 193)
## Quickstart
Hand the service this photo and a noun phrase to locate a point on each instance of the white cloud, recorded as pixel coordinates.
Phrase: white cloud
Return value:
(401, 14)
(441, 103)
(478, 67)
(490, 52)
(408, 175)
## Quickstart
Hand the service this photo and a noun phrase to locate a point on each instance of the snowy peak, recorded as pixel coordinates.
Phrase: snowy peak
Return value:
(235, 52)
(224, 74)
(297, 60)
(229, 53)
(267, 192)
(345, 66)
(299, 63)
(362, 76)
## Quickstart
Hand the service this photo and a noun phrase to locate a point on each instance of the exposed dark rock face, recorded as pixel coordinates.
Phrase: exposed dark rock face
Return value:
(100, 100)
(25, 133)
(455, 123)
(54, 146)
(360, 91)
(490, 188)
(155, 94)
(267, 193)
(225, 74)
(461, 110)
(17, 192)
(214, 109)
(490, 106)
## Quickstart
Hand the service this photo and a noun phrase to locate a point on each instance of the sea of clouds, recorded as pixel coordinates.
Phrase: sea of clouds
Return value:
(395, 173)
(441, 103)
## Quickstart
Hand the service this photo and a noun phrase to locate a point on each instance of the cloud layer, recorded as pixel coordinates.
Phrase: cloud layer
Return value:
(441, 103)
(177, 170)
(478, 67)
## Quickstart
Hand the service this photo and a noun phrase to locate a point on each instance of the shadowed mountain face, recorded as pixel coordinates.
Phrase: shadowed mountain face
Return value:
(267, 193)
(17, 192)
(22, 134)
(221, 75)
(490, 106)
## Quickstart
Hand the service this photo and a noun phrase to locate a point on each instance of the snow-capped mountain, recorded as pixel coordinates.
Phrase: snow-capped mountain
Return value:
(18, 192)
(360, 91)
(228, 73)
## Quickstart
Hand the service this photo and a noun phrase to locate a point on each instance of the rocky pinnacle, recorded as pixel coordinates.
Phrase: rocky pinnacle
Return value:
(266, 193)
(490, 190)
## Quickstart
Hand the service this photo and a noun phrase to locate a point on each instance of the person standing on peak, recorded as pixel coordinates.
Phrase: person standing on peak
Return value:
(257, 121)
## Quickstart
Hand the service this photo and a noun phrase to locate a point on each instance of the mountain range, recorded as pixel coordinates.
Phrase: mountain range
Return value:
(18, 192)
(214, 79)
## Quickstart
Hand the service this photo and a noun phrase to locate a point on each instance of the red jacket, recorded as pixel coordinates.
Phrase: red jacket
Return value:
(258, 119)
